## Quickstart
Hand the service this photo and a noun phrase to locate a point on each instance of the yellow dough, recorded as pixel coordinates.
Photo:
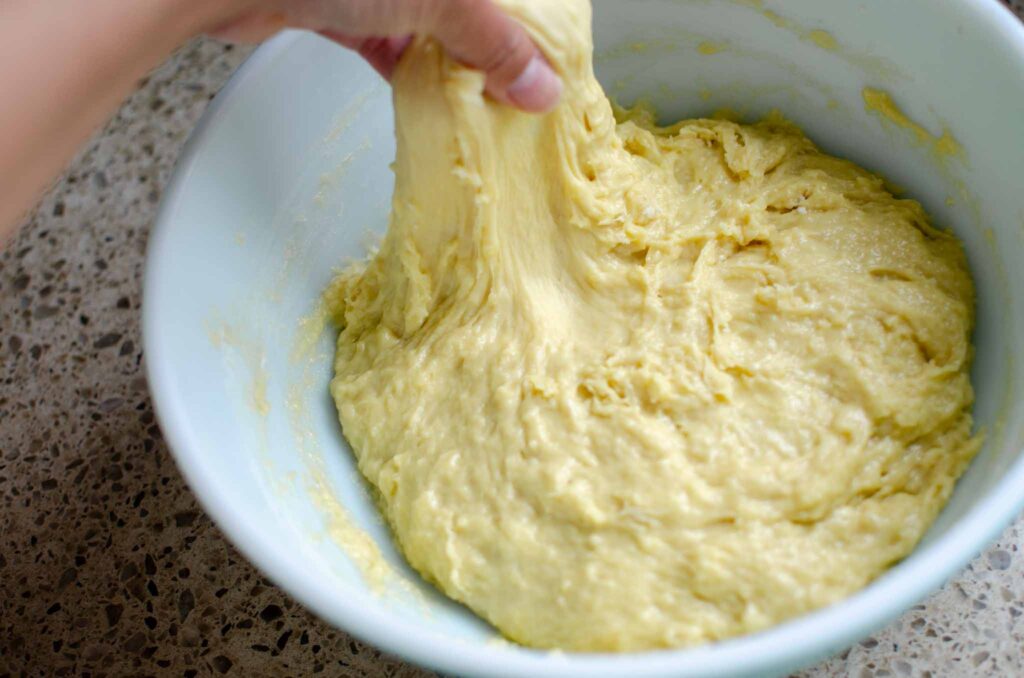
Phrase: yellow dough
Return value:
(625, 387)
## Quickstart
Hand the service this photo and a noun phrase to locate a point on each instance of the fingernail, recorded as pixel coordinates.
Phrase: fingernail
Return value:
(537, 89)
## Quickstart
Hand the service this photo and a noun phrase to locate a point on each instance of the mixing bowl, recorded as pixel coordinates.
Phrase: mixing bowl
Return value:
(287, 178)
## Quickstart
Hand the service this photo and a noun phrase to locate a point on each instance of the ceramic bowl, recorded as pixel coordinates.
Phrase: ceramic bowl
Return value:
(287, 178)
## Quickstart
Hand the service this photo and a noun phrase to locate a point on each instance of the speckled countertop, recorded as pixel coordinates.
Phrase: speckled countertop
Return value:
(107, 564)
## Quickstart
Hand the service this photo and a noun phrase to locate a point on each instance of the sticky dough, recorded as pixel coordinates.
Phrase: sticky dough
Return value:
(624, 387)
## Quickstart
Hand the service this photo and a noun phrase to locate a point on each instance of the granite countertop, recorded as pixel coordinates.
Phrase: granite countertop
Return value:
(107, 564)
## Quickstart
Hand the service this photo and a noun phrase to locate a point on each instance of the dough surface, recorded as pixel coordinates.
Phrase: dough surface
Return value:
(624, 387)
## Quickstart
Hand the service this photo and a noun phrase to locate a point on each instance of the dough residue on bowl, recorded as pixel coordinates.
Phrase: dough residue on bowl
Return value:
(623, 387)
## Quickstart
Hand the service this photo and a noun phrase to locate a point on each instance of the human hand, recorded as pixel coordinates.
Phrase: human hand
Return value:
(98, 50)
(475, 32)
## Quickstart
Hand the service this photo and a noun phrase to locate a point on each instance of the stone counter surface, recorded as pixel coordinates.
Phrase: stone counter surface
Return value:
(107, 564)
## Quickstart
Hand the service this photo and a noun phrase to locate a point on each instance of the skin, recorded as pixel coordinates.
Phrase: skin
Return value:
(55, 98)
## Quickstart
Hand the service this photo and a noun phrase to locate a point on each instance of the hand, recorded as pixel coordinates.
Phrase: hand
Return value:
(476, 32)
(97, 50)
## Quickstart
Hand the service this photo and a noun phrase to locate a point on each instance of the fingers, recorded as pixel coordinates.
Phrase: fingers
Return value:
(382, 53)
(476, 32)
(480, 35)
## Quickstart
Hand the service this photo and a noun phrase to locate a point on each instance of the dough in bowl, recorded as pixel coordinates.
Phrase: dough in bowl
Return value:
(624, 387)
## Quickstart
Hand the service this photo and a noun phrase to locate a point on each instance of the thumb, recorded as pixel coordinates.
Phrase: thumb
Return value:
(479, 34)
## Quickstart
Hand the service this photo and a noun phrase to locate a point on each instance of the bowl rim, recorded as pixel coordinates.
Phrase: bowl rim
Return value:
(782, 647)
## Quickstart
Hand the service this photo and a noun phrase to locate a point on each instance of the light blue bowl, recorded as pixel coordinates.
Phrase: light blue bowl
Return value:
(288, 174)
